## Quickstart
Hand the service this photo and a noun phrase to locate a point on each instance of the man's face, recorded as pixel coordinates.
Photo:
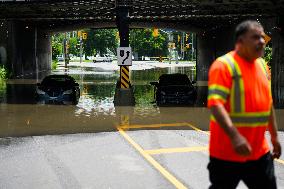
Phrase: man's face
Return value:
(253, 42)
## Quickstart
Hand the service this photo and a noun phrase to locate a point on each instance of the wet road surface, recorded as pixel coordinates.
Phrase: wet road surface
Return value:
(96, 145)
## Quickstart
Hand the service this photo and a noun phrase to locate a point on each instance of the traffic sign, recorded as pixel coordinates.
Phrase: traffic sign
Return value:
(84, 34)
(124, 56)
(155, 32)
(171, 45)
(79, 33)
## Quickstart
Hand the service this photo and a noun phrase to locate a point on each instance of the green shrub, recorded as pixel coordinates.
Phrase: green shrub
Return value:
(3, 73)
(268, 55)
(54, 64)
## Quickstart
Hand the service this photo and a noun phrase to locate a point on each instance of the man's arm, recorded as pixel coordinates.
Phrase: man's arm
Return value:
(272, 127)
(240, 144)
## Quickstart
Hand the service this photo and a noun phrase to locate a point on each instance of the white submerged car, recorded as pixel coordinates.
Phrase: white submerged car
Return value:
(104, 58)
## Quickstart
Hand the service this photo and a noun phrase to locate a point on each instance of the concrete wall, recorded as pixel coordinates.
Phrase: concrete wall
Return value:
(210, 45)
(29, 50)
(44, 52)
(3, 42)
(277, 64)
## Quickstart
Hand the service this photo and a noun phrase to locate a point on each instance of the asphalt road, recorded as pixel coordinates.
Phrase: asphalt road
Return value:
(136, 156)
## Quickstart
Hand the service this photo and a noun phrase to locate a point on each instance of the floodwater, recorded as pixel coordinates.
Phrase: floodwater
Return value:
(22, 116)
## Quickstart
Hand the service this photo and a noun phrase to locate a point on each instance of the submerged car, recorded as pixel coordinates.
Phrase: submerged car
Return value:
(174, 89)
(61, 89)
(104, 58)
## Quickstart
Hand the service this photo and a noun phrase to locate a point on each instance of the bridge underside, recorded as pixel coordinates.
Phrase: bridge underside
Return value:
(26, 26)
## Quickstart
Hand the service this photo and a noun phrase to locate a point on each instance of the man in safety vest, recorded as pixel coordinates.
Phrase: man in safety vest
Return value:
(240, 101)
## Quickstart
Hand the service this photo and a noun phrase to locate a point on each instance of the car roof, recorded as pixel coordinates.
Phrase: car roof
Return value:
(59, 76)
(174, 79)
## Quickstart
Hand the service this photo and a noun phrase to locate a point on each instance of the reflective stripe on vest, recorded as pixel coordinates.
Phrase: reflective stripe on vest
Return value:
(237, 98)
(263, 67)
(218, 92)
(247, 120)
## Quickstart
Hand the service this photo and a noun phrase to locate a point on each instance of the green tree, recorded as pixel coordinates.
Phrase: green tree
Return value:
(268, 55)
(104, 40)
(89, 43)
(73, 41)
(57, 45)
(144, 43)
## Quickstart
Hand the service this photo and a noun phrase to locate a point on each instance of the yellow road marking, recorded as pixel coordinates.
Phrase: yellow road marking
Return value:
(279, 161)
(177, 150)
(163, 125)
(197, 129)
(161, 169)
(155, 125)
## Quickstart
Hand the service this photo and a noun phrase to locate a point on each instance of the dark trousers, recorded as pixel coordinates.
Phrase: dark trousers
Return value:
(256, 174)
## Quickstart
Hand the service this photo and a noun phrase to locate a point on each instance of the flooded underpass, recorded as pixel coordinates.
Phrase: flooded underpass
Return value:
(22, 115)
(94, 144)
(95, 112)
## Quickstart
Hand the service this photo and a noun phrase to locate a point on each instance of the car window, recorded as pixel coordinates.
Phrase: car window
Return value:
(174, 80)
(58, 81)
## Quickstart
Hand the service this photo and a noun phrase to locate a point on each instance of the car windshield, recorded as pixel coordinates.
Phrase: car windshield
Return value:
(57, 81)
(174, 80)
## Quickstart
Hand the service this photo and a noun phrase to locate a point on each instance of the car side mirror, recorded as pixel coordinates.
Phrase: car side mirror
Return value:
(193, 82)
(155, 83)
(76, 84)
(38, 84)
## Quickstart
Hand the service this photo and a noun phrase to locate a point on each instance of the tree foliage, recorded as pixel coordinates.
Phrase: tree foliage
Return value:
(268, 55)
(105, 41)
(73, 47)
(144, 43)
(57, 45)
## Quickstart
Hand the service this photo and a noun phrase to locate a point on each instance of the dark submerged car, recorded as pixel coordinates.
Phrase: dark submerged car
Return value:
(174, 89)
(58, 89)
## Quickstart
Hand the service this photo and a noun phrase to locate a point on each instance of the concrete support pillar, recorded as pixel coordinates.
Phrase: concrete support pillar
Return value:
(29, 50)
(210, 45)
(124, 95)
(277, 64)
(3, 42)
(43, 53)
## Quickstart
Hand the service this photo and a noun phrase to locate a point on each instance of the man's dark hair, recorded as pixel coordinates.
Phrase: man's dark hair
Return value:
(244, 26)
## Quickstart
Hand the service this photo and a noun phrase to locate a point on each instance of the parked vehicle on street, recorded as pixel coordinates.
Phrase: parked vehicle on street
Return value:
(104, 58)
(174, 89)
(60, 58)
(58, 89)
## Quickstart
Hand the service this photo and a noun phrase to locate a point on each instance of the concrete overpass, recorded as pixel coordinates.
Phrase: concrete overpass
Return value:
(26, 26)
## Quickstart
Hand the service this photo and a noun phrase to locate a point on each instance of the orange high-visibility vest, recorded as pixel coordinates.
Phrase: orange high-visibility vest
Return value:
(244, 90)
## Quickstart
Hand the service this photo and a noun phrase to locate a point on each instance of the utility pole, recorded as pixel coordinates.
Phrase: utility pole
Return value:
(182, 46)
(170, 35)
(192, 49)
(64, 50)
(81, 49)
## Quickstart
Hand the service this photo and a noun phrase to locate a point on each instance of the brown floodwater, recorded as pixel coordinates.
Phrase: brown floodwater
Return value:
(21, 115)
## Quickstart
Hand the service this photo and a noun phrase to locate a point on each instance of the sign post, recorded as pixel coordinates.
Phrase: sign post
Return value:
(124, 95)
(124, 59)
